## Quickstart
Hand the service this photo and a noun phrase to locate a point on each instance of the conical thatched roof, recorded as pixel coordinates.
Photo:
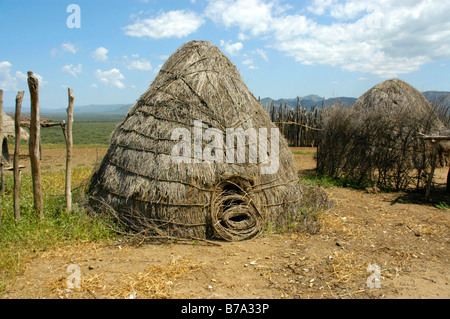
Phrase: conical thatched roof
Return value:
(138, 177)
(8, 128)
(396, 99)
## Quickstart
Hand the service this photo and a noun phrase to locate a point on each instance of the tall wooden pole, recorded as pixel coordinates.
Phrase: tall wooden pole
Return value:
(2, 173)
(19, 99)
(447, 188)
(69, 144)
(297, 120)
(433, 167)
(33, 85)
(1, 149)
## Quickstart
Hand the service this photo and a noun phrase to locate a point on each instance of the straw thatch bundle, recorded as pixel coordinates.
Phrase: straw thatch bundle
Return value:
(376, 140)
(147, 190)
(9, 132)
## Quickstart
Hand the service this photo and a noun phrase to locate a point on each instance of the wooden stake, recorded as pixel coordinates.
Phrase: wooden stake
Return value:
(33, 85)
(1, 151)
(433, 167)
(447, 188)
(69, 144)
(41, 157)
(16, 168)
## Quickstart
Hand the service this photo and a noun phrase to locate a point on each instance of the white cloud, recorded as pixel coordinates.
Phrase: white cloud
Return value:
(250, 64)
(21, 76)
(100, 54)
(346, 10)
(158, 68)
(10, 82)
(142, 65)
(93, 85)
(320, 6)
(69, 47)
(380, 37)
(41, 80)
(254, 16)
(73, 70)
(242, 36)
(66, 47)
(111, 77)
(171, 24)
(231, 48)
(7, 81)
(263, 54)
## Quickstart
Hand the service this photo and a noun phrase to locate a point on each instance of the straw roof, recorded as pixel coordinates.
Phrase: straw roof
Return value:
(8, 131)
(140, 182)
(8, 128)
(397, 99)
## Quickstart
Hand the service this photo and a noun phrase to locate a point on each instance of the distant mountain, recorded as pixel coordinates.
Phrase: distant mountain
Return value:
(118, 111)
(308, 101)
(343, 100)
(315, 100)
(437, 97)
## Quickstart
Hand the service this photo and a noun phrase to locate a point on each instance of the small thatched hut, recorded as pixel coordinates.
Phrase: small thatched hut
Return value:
(399, 102)
(9, 132)
(198, 91)
(376, 140)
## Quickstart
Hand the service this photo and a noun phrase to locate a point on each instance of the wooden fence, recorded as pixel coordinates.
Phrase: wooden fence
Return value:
(300, 126)
(35, 147)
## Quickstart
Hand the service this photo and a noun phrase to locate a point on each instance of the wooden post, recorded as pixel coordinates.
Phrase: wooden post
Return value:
(297, 129)
(433, 167)
(41, 157)
(1, 150)
(69, 144)
(2, 177)
(272, 106)
(447, 188)
(16, 168)
(35, 125)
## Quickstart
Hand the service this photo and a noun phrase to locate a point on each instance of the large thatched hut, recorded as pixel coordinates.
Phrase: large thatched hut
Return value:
(198, 186)
(9, 132)
(376, 141)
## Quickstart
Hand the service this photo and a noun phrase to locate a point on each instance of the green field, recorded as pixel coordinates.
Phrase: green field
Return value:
(84, 133)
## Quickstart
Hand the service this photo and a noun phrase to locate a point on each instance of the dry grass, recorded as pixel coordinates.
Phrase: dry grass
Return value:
(343, 266)
(155, 282)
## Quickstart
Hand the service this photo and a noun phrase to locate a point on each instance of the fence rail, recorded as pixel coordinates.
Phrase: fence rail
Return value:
(300, 126)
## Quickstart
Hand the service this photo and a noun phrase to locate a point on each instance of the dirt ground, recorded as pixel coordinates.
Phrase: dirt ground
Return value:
(382, 245)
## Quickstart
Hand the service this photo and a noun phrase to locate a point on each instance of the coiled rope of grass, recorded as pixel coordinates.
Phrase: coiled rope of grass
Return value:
(235, 217)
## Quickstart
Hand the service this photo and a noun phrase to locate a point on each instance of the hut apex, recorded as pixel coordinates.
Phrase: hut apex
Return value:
(154, 177)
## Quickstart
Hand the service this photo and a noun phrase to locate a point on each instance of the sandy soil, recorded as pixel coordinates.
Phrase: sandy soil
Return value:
(408, 242)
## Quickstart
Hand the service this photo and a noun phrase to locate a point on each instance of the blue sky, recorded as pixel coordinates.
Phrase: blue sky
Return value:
(282, 48)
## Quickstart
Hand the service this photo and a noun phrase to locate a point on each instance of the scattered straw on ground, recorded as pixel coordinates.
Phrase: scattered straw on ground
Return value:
(154, 282)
